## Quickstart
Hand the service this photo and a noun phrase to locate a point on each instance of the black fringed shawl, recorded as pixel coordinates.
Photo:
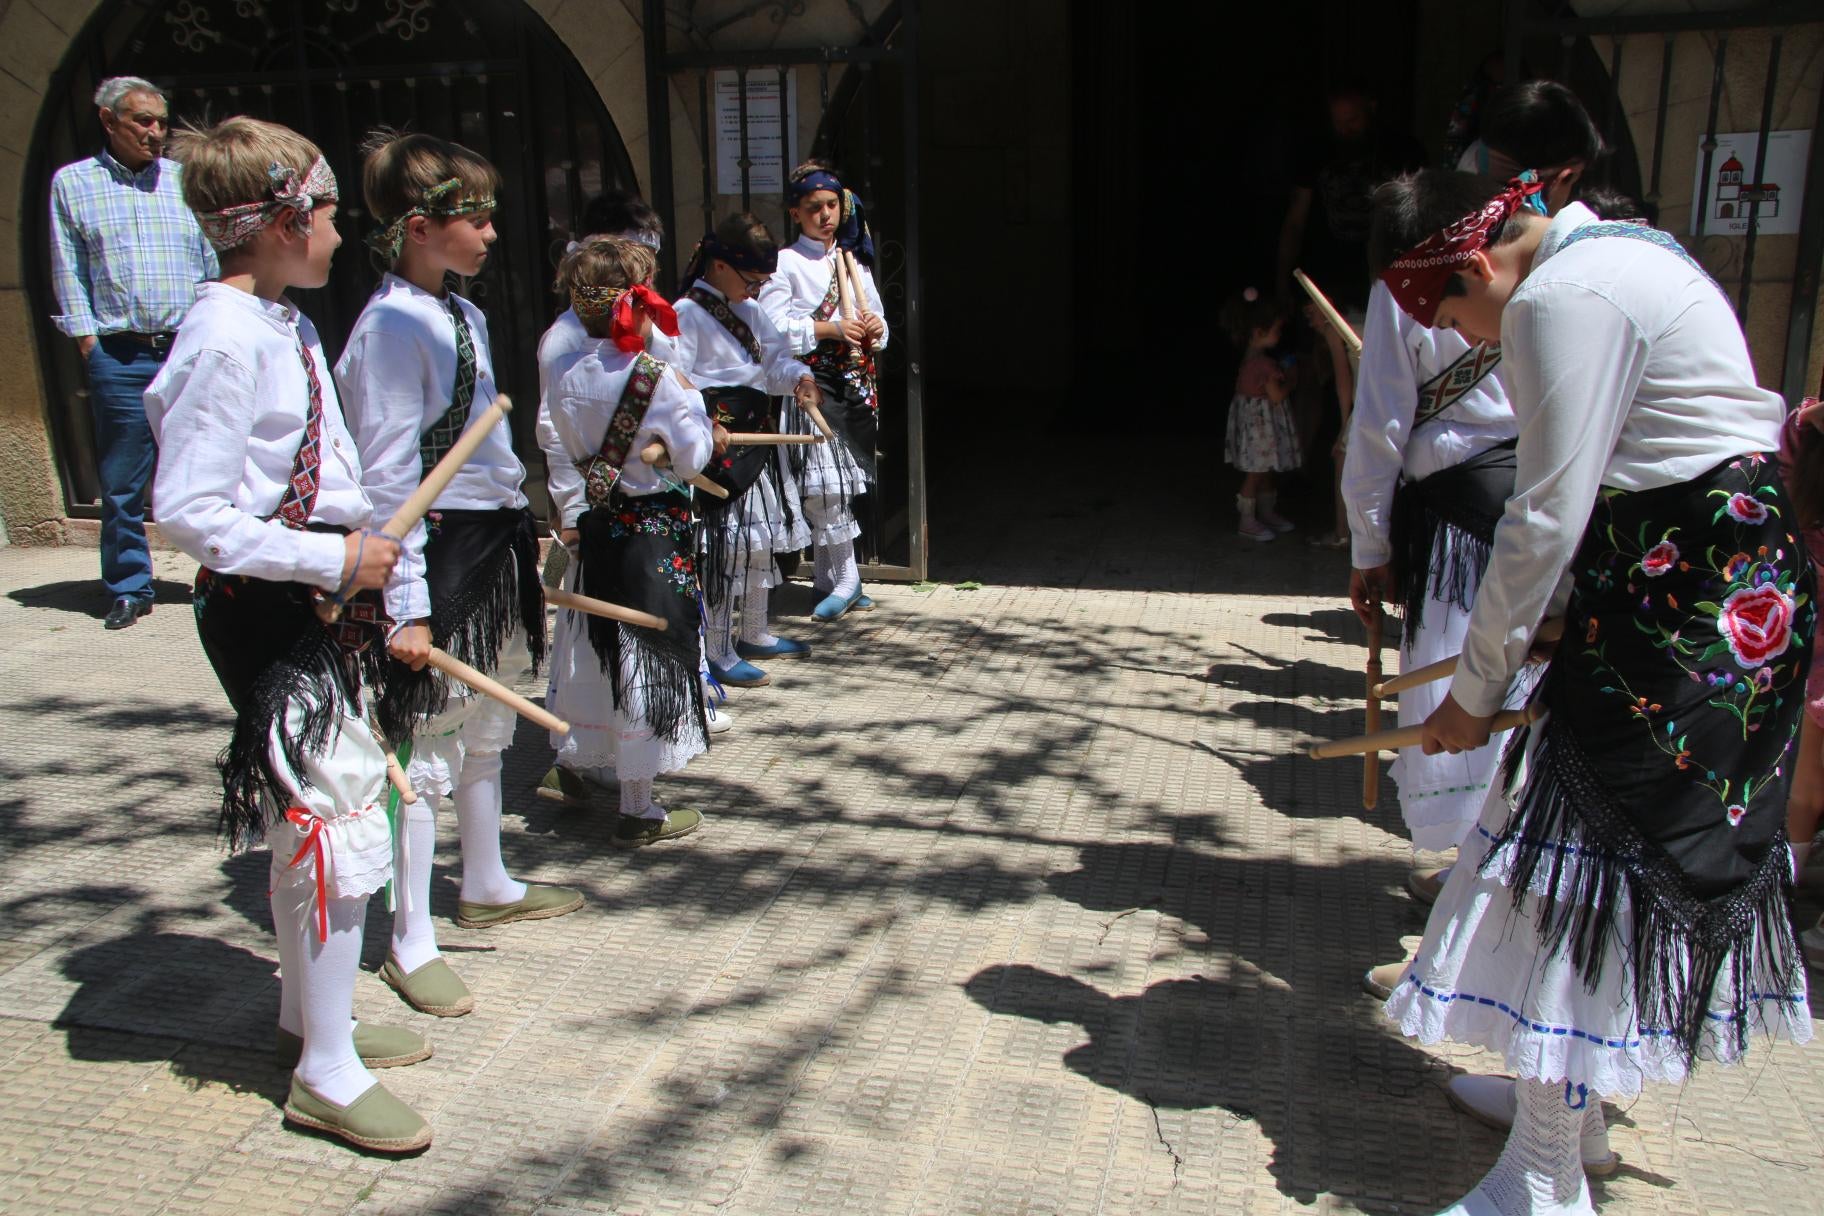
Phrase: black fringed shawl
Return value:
(1443, 532)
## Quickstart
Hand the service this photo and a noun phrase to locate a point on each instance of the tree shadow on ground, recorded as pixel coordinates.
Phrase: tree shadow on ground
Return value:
(88, 597)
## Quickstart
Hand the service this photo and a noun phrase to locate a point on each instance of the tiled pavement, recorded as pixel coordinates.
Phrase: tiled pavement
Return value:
(1011, 900)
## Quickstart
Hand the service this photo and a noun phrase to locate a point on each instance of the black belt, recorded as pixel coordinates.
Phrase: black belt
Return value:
(160, 342)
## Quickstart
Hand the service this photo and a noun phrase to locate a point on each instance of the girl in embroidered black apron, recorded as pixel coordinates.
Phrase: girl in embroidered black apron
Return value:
(632, 694)
(803, 300)
(742, 363)
(1621, 909)
(415, 374)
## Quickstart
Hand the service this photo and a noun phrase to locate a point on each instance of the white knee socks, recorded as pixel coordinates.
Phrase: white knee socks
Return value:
(637, 803)
(414, 938)
(318, 981)
(718, 630)
(753, 609)
(820, 567)
(1540, 1170)
(484, 874)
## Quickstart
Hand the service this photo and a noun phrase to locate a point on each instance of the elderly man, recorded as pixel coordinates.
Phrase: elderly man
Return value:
(126, 257)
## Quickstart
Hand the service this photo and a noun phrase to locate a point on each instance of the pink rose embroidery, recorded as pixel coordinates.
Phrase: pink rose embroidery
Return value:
(1659, 559)
(1747, 509)
(1757, 624)
(1735, 812)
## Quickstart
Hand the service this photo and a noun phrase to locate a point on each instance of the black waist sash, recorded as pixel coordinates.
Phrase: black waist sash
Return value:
(270, 650)
(850, 405)
(481, 567)
(725, 521)
(1675, 699)
(1462, 504)
(640, 551)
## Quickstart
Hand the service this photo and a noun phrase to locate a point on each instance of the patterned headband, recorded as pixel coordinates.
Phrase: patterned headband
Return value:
(232, 227)
(1418, 277)
(389, 241)
(594, 303)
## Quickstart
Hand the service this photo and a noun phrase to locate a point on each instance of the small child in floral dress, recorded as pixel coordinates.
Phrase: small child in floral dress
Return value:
(1262, 438)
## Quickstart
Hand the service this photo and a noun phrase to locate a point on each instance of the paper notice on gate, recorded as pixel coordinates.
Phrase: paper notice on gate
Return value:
(769, 158)
(1728, 198)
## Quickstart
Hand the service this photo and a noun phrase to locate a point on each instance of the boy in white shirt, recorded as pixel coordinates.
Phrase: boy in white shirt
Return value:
(258, 480)
(1623, 908)
(415, 372)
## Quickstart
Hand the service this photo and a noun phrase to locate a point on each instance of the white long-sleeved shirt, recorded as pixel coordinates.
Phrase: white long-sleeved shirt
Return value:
(1628, 370)
(711, 356)
(228, 410)
(584, 401)
(398, 376)
(799, 286)
(1398, 355)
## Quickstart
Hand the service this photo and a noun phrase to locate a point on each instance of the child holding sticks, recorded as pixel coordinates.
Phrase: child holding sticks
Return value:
(416, 369)
(258, 480)
(804, 299)
(740, 361)
(637, 543)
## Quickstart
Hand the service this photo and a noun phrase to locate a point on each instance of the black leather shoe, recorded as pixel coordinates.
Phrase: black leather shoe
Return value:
(127, 609)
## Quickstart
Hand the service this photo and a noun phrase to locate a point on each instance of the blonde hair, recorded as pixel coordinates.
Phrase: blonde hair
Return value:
(604, 264)
(401, 172)
(227, 165)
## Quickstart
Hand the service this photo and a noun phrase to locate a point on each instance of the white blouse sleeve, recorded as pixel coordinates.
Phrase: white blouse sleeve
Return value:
(380, 379)
(676, 417)
(202, 435)
(783, 371)
(562, 478)
(777, 302)
(1575, 360)
(1386, 399)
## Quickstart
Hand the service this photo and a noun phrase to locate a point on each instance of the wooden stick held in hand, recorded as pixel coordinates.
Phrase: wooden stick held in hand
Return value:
(456, 669)
(602, 608)
(1443, 669)
(1324, 306)
(1411, 736)
(655, 455)
(1371, 761)
(748, 439)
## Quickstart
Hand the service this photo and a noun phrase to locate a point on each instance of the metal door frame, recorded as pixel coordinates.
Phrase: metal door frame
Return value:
(902, 19)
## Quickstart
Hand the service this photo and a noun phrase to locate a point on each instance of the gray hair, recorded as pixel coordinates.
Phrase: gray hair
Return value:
(115, 89)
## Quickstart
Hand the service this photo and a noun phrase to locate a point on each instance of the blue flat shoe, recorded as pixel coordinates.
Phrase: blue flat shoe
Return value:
(863, 604)
(740, 674)
(782, 648)
(833, 605)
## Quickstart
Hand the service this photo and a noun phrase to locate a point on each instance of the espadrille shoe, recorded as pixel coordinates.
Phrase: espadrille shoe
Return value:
(378, 1046)
(539, 903)
(376, 1121)
(632, 832)
(433, 988)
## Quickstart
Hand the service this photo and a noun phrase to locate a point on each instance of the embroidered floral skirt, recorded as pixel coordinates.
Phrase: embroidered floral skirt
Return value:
(1627, 912)
(1262, 436)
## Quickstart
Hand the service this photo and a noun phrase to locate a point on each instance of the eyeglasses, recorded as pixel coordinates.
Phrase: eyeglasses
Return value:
(754, 286)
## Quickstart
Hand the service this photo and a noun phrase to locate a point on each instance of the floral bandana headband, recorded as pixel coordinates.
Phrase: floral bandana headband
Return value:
(1417, 278)
(594, 303)
(389, 241)
(232, 227)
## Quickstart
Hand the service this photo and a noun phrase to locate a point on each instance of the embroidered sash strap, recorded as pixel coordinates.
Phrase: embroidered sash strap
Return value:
(1451, 385)
(1640, 230)
(718, 308)
(446, 430)
(300, 497)
(602, 471)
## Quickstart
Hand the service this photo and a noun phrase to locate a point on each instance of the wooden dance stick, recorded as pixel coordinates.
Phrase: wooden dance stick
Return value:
(1411, 736)
(396, 775)
(456, 669)
(1329, 310)
(845, 290)
(748, 439)
(1371, 761)
(1443, 669)
(595, 607)
(440, 476)
(655, 455)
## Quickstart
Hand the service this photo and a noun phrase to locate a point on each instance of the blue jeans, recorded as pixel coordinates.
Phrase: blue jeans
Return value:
(119, 371)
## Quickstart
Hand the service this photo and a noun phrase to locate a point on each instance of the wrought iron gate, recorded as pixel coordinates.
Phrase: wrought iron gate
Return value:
(486, 73)
(1544, 32)
(867, 124)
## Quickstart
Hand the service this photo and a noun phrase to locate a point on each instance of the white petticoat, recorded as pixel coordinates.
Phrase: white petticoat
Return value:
(470, 722)
(828, 467)
(1481, 978)
(344, 788)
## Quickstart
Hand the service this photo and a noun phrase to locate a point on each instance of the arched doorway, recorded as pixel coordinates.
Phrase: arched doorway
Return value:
(489, 74)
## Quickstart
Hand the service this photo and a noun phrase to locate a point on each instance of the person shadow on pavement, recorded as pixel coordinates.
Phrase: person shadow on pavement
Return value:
(1270, 1025)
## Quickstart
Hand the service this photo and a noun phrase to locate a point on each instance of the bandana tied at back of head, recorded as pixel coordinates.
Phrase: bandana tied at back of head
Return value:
(442, 201)
(1417, 278)
(294, 197)
(852, 227)
(709, 249)
(594, 303)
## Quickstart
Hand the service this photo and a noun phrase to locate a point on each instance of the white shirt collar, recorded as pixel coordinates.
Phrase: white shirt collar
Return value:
(281, 313)
(1567, 221)
(811, 247)
(709, 287)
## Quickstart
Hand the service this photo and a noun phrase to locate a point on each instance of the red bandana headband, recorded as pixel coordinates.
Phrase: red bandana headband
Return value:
(592, 303)
(1417, 278)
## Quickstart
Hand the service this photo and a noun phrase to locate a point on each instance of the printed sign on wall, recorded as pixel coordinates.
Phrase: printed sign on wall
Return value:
(1727, 198)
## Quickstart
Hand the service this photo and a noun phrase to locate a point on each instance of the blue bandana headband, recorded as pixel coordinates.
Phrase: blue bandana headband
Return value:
(852, 228)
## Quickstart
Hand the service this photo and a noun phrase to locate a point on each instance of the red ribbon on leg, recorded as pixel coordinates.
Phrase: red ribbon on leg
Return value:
(313, 839)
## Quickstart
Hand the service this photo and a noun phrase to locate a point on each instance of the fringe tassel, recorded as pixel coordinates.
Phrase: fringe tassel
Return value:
(313, 674)
(1439, 558)
(1679, 942)
(665, 674)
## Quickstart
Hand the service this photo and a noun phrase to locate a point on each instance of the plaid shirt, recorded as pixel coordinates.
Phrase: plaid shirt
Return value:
(126, 254)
